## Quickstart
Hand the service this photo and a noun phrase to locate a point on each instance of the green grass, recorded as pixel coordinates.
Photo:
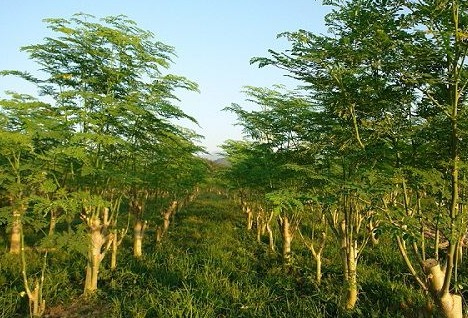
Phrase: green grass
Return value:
(210, 266)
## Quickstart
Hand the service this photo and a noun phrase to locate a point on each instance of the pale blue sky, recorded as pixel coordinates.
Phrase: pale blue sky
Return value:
(214, 41)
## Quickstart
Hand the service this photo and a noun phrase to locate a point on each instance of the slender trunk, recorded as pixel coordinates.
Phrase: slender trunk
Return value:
(351, 283)
(37, 304)
(138, 231)
(95, 257)
(271, 240)
(162, 230)
(404, 254)
(114, 238)
(373, 237)
(286, 235)
(15, 239)
(318, 269)
(344, 258)
(259, 227)
(249, 218)
(53, 222)
(437, 242)
(170, 212)
(166, 220)
(316, 253)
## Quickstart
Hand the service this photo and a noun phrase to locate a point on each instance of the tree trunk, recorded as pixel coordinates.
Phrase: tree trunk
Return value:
(15, 240)
(53, 222)
(351, 283)
(349, 263)
(318, 269)
(259, 223)
(114, 238)
(36, 303)
(373, 237)
(271, 239)
(138, 231)
(162, 230)
(249, 213)
(287, 237)
(95, 257)
(168, 214)
(449, 304)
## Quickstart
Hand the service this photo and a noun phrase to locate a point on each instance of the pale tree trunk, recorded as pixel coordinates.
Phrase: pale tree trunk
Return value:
(249, 214)
(37, 304)
(162, 230)
(351, 277)
(95, 257)
(99, 244)
(15, 238)
(346, 226)
(318, 269)
(316, 253)
(138, 233)
(261, 224)
(53, 222)
(271, 239)
(349, 262)
(138, 228)
(371, 228)
(114, 238)
(287, 236)
(259, 227)
(449, 304)
(168, 215)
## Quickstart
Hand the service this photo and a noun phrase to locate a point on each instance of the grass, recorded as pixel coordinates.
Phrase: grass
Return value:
(210, 266)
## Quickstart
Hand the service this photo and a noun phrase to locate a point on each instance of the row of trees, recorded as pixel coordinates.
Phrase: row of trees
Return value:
(102, 139)
(372, 142)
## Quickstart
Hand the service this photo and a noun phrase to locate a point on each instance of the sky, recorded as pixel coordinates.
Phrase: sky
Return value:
(214, 42)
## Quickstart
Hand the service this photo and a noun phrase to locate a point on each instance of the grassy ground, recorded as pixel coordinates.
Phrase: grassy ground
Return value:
(210, 266)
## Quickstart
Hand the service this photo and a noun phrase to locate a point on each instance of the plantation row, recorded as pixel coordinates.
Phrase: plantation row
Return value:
(371, 144)
(209, 266)
(99, 152)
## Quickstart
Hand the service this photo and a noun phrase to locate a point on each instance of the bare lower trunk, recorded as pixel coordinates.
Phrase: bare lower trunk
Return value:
(349, 263)
(36, 303)
(166, 221)
(138, 231)
(318, 269)
(249, 218)
(53, 222)
(287, 239)
(449, 304)
(260, 226)
(94, 259)
(15, 240)
(114, 238)
(351, 288)
(271, 241)
(167, 215)
(373, 236)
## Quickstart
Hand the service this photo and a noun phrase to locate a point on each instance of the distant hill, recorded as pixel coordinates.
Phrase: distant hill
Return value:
(222, 162)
